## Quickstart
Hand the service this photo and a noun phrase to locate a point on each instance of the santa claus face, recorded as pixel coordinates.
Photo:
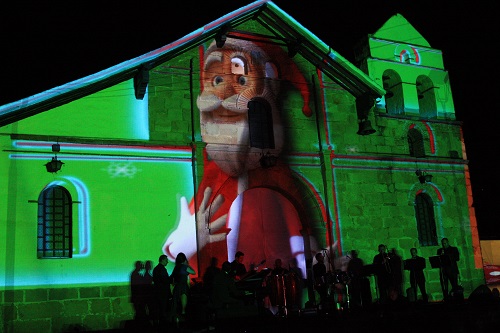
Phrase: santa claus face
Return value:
(232, 76)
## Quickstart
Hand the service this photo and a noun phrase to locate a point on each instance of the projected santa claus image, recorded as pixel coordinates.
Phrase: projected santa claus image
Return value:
(249, 199)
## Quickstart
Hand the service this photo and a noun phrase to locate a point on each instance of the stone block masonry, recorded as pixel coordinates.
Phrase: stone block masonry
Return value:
(50, 310)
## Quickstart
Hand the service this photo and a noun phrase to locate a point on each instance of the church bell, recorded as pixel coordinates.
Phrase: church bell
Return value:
(365, 128)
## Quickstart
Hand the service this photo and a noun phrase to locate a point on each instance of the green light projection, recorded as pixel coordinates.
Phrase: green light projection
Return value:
(129, 211)
(113, 112)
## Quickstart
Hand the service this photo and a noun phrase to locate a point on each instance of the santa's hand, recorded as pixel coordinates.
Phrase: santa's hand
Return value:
(182, 239)
(207, 230)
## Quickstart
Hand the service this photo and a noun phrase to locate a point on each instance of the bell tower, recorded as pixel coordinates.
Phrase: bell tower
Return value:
(411, 72)
(417, 117)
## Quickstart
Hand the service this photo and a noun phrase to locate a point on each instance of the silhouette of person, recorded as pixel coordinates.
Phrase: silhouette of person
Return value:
(416, 266)
(137, 293)
(449, 273)
(278, 268)
(359, 287)
(395, 305)
(148, 291)
(238, 269)
(224, 293)
(277, 285)
(396, 264)
(295, 285)
(163, 294)
(180, 280)
(319, 273)
(383, 271)
(209, 275)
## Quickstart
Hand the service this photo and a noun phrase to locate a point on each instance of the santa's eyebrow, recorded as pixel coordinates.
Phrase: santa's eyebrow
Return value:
(215, 56)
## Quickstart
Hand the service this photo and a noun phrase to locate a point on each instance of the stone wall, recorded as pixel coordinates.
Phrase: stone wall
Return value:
(65, 309)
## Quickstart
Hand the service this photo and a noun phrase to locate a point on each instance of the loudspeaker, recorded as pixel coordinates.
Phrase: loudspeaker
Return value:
(481, 294)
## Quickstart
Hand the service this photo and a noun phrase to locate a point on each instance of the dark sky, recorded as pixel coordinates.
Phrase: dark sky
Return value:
(48, 43)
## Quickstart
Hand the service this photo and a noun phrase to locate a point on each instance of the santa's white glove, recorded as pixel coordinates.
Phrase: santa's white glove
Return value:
(183, 238)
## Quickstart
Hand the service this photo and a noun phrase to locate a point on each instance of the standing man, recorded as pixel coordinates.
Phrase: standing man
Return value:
(209, 275)
(297, 279)
(448, 272)
(396, 263)
(416, 266)
(136, 291)
(359, 287)
(319, 273)
(224, 294)
(383, 272)
(163, 294)
(278, 268)
(238, 269)
(149, 294)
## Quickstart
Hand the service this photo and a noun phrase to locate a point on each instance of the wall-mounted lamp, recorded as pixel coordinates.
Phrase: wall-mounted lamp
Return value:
(54, 165)
(423, 177)
(268, 160)
(221, 36)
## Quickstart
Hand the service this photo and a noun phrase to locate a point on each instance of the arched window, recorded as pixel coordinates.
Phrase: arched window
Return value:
(394, 99)
(54, 238)
(416, 143)
(260, 123)
(426, 97)
(426, 224)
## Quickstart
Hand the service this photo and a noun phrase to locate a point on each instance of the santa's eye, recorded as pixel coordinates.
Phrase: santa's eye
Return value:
(238, 65)
(218, 80)
(242, 80)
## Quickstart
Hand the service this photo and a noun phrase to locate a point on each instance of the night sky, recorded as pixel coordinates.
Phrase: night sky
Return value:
(45, 44)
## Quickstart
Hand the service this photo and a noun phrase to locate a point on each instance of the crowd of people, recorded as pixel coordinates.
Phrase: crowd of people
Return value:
(161, 298)
(390, 272)
(157, 296)
(388, 269)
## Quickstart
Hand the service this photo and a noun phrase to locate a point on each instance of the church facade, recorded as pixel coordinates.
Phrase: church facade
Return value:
(249, 134)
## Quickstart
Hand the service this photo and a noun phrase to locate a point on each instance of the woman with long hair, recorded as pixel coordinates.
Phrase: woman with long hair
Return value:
(180, 282)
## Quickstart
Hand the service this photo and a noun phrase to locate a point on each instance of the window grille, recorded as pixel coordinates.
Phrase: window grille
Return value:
(426, 224)
(54, 223)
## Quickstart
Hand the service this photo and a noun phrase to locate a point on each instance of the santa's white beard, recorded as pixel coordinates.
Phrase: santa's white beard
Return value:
(234, 159)
(228, 144)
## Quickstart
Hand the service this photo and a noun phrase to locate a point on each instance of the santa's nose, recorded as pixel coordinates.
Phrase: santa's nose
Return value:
(229, 84)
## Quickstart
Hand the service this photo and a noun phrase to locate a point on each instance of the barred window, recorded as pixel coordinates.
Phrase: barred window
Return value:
(426, 224)
(54, 238)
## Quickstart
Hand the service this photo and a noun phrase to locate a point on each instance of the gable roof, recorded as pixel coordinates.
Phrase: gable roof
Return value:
(284, 30)
(399, 29)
